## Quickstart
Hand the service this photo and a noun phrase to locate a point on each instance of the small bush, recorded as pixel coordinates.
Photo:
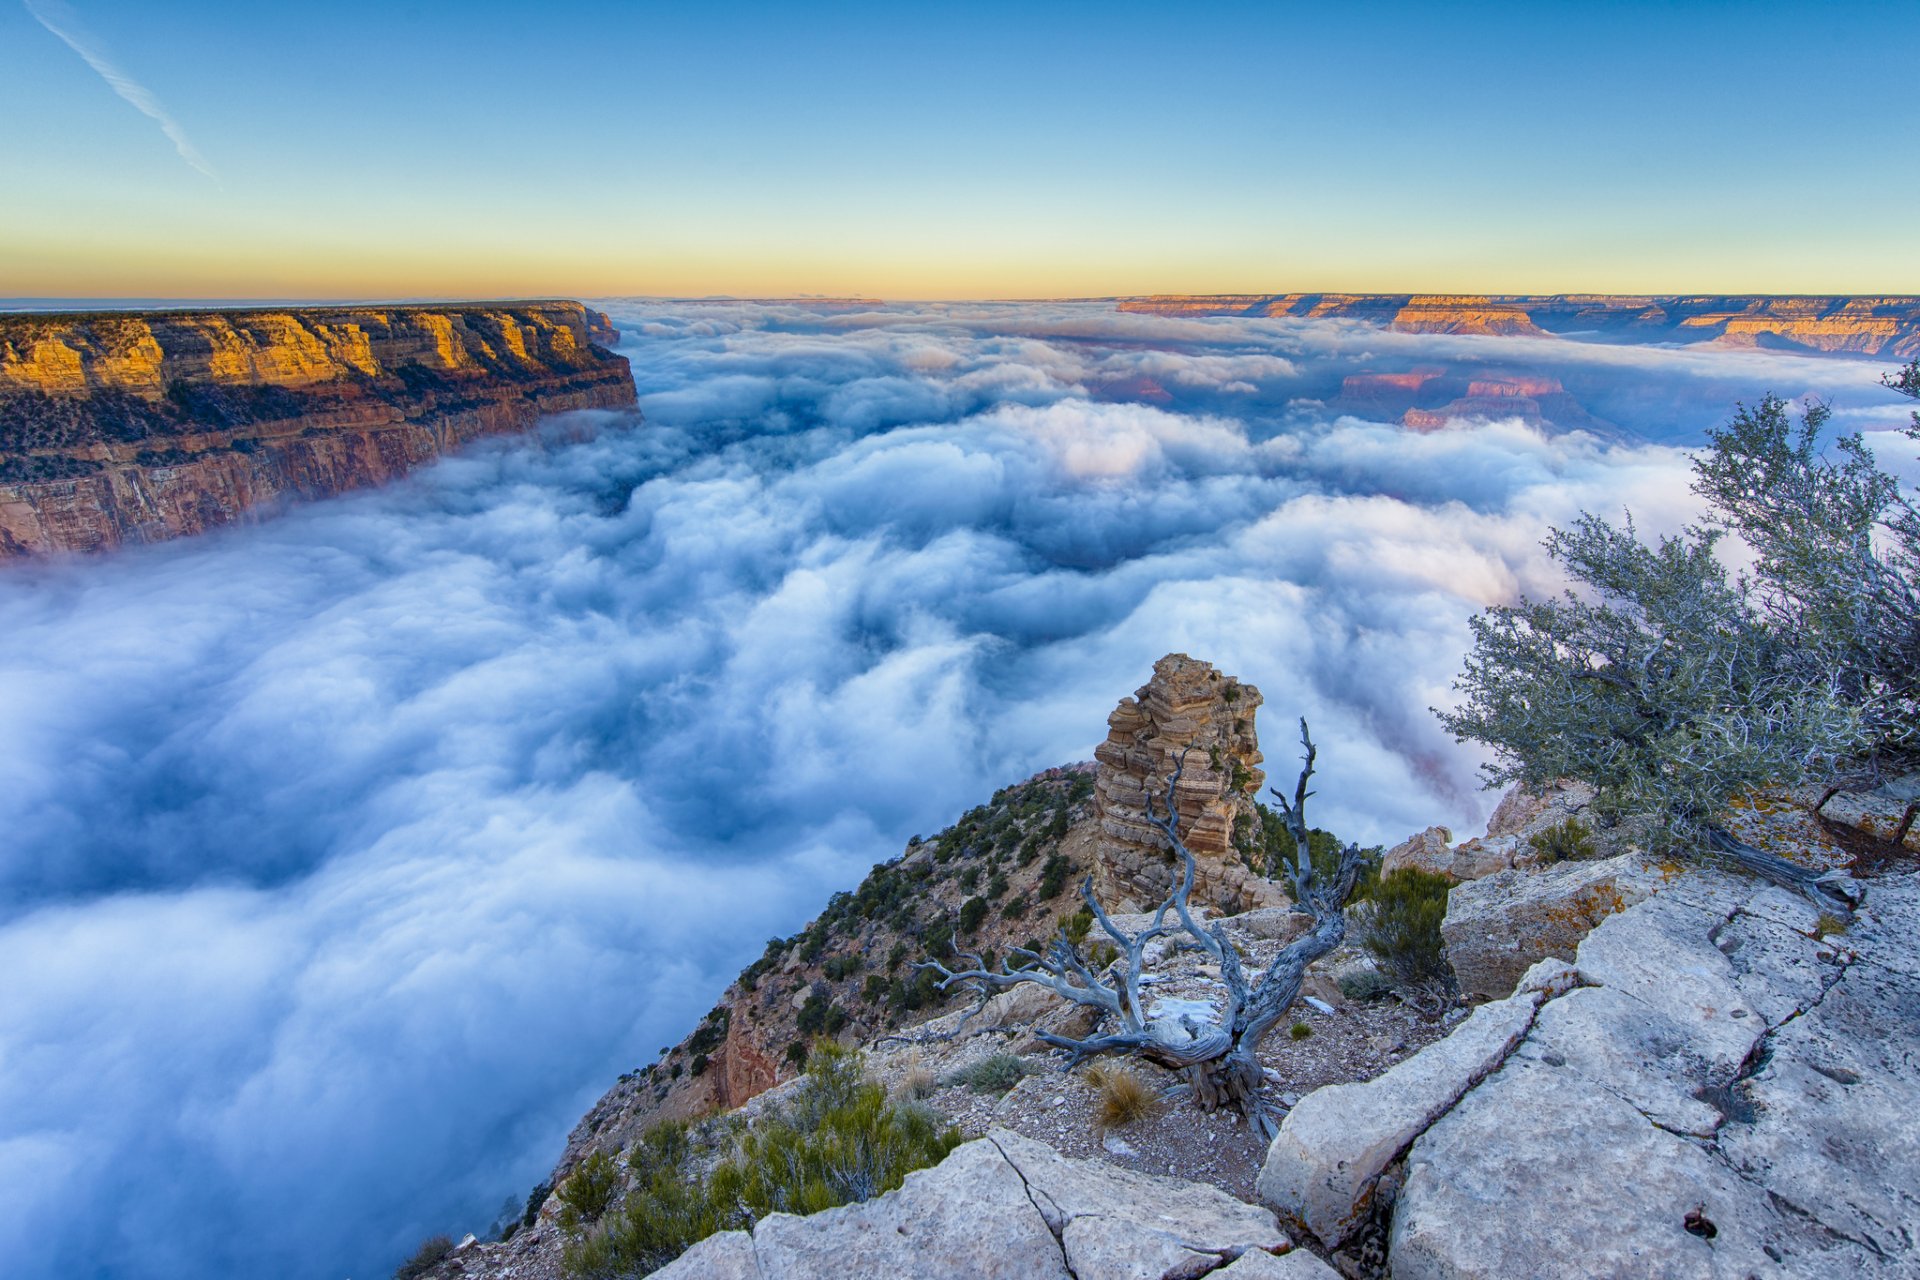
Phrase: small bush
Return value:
(589, 1190)
(991, 1075)
(1078, 925)
(1053, 875)
(1300, 1031)
(917, 1082)
(972, 912)
(1365, 984)
(431, 1250)
(820, 1016)
(1404, 930)
(1125, 1095)
(1015, 907)
(1828, 925)
(1567, 841)
(837, 1142)
(535, 1198)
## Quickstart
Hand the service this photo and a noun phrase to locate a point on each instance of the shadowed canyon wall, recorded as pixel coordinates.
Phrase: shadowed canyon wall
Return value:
(1888, 327)
(130, 427)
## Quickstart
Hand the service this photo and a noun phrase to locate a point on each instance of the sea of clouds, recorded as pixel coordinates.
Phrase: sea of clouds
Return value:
(346, 857)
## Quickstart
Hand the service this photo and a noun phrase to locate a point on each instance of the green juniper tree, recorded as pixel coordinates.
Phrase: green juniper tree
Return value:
(1674, 689)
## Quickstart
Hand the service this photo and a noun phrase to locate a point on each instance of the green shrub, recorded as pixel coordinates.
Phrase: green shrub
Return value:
(1403, 932)
(588, 1191)
(820, 1016)
(1300, 1031)
(431, 1250)
(535, 1198)
(972, 912)
(1567, 841)
(1015, 907)
(1365, 984)
(991, 1075)
(837, 1142)
(1078, 925)
(1053, 876)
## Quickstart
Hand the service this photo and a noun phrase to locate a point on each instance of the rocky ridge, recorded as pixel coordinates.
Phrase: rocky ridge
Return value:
(1721, 1084)
(1886, 327)
(129, 427)
(1688, 1073)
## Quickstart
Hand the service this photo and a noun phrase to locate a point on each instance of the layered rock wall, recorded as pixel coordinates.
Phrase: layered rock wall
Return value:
(123, 427)
(1887, 327)
(1187, 707)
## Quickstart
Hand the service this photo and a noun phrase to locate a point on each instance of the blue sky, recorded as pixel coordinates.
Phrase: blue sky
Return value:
(984, 150)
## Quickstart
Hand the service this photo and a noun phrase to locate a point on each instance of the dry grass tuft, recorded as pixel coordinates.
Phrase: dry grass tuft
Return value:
(1125, 1096)
(916, 1082)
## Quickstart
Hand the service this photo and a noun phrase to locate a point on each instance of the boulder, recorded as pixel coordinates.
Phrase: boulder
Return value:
(1322, 1166)
(1006, 1207)
(1296, 1265)
(1116, 1222)
(1498, 927)
(1430, 851)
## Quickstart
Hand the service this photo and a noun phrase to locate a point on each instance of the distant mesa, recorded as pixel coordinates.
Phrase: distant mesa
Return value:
(1884, 327)
(130, 427)
(1427, 399)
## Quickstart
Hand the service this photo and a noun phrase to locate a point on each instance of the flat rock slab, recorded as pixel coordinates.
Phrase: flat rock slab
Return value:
(1003, 1207)
(1331, 1149)
(1734, 1091)
(1542, 1173)
(1116, 1222)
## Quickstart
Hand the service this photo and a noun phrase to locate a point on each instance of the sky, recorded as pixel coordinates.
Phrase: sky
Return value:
(352, 853)
(432, 149)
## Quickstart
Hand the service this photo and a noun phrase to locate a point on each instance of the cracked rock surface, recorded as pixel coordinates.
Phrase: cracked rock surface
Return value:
(1008, 1207)
(1719, 1088)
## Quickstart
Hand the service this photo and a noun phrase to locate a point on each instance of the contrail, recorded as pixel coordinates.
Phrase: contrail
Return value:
(58, 18)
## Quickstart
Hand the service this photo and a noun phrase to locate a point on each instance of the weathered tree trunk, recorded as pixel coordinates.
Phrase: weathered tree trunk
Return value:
(1218, 1059)
(1829, 890)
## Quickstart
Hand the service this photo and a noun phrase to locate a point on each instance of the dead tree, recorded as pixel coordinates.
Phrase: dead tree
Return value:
(1218, 1057)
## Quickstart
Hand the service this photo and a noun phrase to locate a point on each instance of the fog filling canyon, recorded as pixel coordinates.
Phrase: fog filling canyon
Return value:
(349, 855)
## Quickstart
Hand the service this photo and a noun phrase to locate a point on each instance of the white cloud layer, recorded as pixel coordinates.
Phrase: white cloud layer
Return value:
(350, 855)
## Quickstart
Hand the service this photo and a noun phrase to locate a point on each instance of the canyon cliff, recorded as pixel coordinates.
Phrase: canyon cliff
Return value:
(1884, 327)
(132, 427)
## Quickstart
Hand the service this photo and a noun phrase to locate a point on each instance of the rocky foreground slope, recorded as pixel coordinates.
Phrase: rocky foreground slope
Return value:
(1660, 1069)
(1886, 327)
(128, 427)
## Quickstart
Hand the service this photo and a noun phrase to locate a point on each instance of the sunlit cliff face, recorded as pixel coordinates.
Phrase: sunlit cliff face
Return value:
(348, 855)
